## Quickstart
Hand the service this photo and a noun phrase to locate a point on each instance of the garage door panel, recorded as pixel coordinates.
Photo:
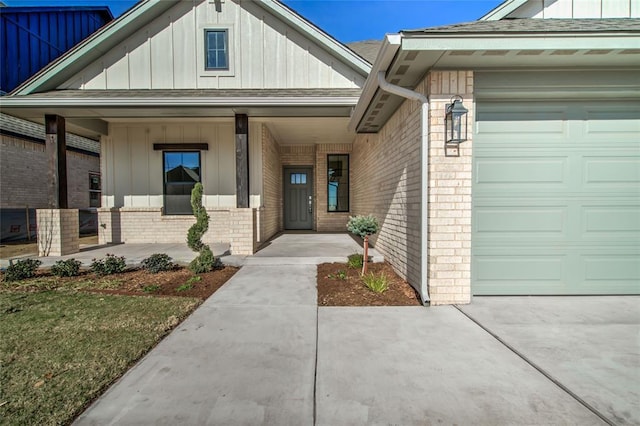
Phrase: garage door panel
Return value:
(611, 221)
(556, 204)
(612, 172)
(516, 222)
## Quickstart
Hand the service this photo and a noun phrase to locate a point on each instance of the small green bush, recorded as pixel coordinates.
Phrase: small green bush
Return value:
(184, 287)
(66, 268)
(111, 264)
(205, 262)
(376, 283)
(198, 229)
(158, 262)
(355, 261)
(151, 288)
(22, 269)
(363, 225)
(340, 275)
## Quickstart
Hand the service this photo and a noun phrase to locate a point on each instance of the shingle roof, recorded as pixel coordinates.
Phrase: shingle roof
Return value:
(368, 49)
(37, 131)
(200, 93)
(536, 26)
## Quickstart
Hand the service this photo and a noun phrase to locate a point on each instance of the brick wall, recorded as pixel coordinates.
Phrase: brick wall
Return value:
(58, 232)
(450, 194)
(328, 221)
(386, 183)
(148, 225)
(23, 175)
(271, 212)
(386, 167)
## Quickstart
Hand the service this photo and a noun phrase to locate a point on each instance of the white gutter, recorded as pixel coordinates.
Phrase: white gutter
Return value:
(34, 101)
(424, 176)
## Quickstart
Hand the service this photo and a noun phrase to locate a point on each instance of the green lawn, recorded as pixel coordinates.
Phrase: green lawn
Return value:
(60, 349)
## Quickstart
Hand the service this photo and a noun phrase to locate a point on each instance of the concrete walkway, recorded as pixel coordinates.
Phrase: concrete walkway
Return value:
(260, 351)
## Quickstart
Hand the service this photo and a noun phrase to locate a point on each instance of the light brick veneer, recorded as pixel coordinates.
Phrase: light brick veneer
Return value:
(58, 232)
(149, 225)
(271, 212)
(450, 194)
(328, 221)
(386, 170)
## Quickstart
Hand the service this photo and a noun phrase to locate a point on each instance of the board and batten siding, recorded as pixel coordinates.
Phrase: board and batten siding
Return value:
(138, 181)
(168, 53)
(575, 9)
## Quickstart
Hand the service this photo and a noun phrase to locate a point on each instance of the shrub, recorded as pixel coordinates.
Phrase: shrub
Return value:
(66, 268)
(363, 226)
(197, 230)
(22, 269)
(184, 287)
(151, 288)
(355, 261)
(376, 283)
(158, 262)
(111, 264)
(205, 262)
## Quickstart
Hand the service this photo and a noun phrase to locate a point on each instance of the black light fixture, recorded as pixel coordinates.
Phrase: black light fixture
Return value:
(455, 125)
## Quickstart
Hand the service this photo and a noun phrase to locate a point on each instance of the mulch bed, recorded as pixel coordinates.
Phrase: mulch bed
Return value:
(139, 282)
(136, 281)
(351, 291)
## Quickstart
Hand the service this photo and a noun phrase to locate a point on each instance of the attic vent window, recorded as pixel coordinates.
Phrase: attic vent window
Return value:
(217, 49)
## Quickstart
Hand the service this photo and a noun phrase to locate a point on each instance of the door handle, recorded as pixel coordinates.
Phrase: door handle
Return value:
(310, 204)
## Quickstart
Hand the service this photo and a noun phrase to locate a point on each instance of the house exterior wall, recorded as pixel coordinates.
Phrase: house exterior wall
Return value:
(168, 53)
(132, 169)
(24, 161)
(238, 227)
(271, 211)
(328, 221)
(386, 170)
(387, 180)
(450, 181)
(571, 9)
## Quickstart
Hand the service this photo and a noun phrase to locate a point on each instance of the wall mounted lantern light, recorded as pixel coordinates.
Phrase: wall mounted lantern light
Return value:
(455, 124)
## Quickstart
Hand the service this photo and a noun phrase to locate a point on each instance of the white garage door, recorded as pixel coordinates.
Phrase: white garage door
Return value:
(556, 197)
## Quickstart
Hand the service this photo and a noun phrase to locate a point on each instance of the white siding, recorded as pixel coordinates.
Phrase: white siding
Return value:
(132, 170)
(168, 53)
(548, 9)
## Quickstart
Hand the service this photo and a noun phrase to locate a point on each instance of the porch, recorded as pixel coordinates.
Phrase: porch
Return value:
(285, 248)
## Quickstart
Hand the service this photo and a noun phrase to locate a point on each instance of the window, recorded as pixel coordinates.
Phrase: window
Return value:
(338, 183)
(298, 178)
(217, 49)
(181, 172)
(95, 189)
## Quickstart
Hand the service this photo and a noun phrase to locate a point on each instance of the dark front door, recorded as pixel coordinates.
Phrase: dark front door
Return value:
(298, 198)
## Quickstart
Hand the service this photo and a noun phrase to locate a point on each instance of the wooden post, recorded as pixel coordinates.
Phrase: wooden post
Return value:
(365, 257)
(242, 161)
(56, 150)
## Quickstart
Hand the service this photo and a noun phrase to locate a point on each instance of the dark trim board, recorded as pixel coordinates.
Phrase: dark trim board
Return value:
(180, 146)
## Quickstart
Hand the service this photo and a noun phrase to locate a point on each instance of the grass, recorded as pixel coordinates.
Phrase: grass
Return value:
(60, 349)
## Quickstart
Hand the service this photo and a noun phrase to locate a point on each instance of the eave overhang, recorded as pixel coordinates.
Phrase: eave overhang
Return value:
(417, 53)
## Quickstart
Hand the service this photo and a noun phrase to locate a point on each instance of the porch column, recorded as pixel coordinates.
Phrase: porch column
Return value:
(58, 226)
(242, 161)
(56, 150)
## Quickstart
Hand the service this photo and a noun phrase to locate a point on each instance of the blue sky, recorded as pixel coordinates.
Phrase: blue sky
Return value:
(346, 20)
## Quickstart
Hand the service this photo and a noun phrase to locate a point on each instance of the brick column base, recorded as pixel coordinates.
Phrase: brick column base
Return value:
(243, 231)
(58, 232)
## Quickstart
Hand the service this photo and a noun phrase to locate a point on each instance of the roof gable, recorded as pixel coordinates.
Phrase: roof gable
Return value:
(159, 44)
(564, 9)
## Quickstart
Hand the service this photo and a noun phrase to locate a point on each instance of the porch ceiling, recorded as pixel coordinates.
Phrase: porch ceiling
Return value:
(312, 130)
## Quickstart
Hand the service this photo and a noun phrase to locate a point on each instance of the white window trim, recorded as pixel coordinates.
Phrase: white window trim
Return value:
(202, 53)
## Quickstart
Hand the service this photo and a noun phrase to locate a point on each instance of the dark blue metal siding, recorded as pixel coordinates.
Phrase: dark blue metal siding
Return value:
(32, 37)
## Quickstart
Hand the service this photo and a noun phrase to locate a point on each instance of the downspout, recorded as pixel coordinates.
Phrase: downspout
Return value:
(424, 176)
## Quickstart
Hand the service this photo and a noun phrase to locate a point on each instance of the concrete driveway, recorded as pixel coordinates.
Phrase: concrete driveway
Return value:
(260, 351)
(589, 346)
